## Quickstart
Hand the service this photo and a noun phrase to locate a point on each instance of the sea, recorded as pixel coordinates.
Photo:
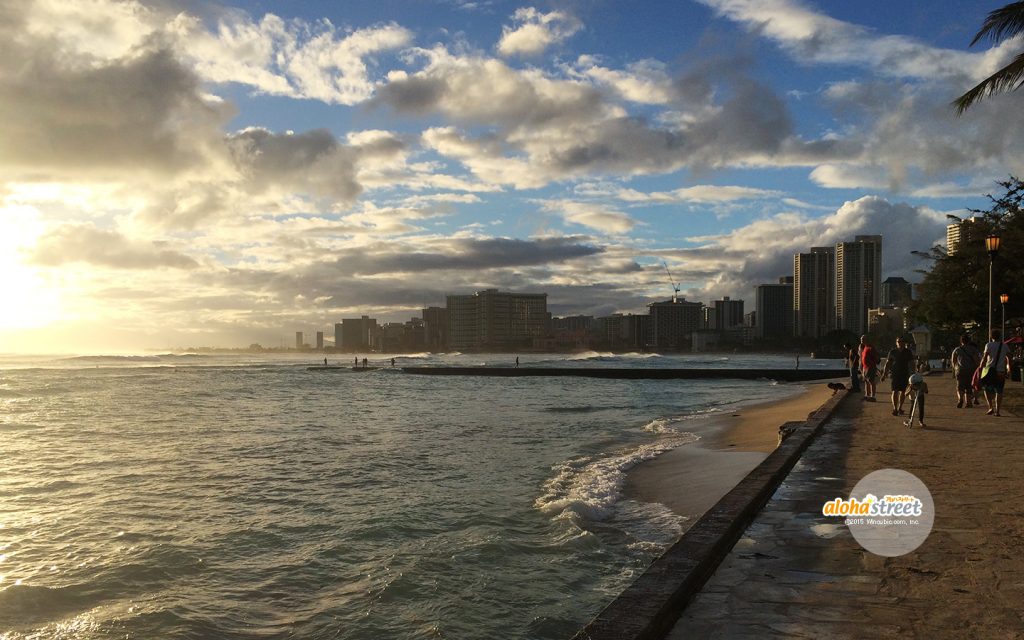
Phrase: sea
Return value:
(247, 496)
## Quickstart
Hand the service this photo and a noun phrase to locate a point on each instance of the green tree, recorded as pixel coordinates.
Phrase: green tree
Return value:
(1000, 25)
(954, 291)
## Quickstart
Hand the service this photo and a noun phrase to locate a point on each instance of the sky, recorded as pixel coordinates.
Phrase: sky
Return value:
(185, 173)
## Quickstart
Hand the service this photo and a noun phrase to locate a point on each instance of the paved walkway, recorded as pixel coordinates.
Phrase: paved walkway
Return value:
(796, 573)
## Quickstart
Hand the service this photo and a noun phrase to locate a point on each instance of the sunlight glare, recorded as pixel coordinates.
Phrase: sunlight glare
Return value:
(29, 301)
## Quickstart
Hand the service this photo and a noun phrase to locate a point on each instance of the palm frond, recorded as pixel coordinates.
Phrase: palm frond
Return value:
(1008, 78)
(1002, 23)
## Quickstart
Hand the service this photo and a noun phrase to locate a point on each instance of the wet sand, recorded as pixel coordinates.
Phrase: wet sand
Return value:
(692, 478)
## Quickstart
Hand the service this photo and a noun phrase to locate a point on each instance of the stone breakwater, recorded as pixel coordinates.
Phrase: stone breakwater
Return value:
(781, 375)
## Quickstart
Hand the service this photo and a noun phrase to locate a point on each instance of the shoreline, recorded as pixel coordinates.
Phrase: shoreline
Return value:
(691, 478)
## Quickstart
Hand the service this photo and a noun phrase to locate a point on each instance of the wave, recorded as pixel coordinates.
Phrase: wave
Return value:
(18, 426)
(111, 359)
(660, 426)
(48, 487)
(590, 355)
(589, 488)
(584, 409)
(23, 604)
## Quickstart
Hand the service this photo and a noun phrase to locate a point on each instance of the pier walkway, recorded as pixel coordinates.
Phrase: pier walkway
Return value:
(795, 574)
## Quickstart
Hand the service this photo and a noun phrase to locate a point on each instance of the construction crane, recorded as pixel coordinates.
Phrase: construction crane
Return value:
(675, 285)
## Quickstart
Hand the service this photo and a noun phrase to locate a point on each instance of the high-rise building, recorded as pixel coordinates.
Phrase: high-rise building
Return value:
(961, 233)
(435, 329)
(814, 292)
(573, 323)
(337, 335)
(673, 323)
(298, 340)
(896, 292)
(320, 340)
(358, 334)
(774, 306)
(728, 314)
(709, 318)
(496, 320)
(858, 282)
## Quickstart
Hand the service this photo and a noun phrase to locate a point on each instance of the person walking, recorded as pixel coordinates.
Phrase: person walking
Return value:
(965, 362)
(853, 363)
(899, 364)
(868, 367)
(995, 366)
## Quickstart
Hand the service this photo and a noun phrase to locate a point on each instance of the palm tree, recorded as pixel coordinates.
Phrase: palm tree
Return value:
(1000, 25)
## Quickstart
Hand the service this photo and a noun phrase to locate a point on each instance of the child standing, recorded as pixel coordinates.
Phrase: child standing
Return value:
(918, 389)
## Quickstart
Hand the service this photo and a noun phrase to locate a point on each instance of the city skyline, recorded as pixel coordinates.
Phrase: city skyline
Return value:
(189, 173)
(831, 289)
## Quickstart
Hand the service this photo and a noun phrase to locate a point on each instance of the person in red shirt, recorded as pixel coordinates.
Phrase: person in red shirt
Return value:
(869, 368)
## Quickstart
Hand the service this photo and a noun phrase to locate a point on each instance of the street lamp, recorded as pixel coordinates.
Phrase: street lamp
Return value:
(1003, 299)
(992, 246)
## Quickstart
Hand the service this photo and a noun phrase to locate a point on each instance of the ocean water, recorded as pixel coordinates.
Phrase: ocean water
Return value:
(210, 496)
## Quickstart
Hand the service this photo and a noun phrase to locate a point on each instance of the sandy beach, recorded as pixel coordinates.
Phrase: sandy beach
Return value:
(692, 478)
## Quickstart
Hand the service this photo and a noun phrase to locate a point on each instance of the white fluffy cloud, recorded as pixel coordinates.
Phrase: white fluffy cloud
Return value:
(643, 82)
(534, 32)
(763, 250)
(291, 58)
(816, 37)
(595, 216)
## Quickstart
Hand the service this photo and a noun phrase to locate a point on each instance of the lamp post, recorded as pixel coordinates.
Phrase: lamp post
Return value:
(1003, 299)
(992, 246)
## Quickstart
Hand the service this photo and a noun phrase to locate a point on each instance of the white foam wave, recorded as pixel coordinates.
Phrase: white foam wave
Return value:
(590, 355)
(588, 488)
(660, 425)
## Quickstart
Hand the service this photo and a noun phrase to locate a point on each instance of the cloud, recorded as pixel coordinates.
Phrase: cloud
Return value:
(546, 129)
(898, 130)
(142, 115)
(465, 253)
(643, 82)
(534, 32)
(405, 273)
(312, 162)
(476, 89)
(763, 250)
(84, 243)
(295, 58)
(700, 194)
(809, 36)
(596, 216)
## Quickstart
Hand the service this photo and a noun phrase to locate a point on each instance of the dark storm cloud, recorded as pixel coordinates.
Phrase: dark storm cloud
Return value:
(460, 254)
